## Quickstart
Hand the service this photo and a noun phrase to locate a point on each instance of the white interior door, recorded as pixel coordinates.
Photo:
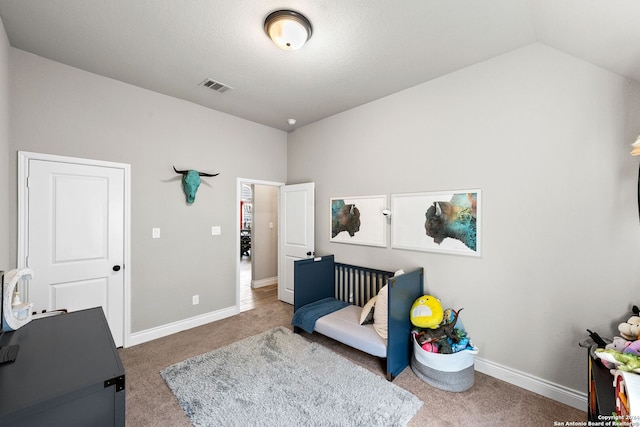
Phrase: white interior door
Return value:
(297, 226)
(75, 236)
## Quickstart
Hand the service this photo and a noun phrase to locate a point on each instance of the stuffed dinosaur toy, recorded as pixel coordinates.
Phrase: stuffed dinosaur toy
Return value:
(442, 332)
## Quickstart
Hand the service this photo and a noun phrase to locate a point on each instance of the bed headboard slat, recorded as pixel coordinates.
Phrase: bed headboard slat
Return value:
(357, 285)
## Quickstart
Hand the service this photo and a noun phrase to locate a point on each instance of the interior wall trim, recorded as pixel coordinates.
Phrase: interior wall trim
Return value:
(571, 397)
(559, 393)
(181, 325)
(264, 282)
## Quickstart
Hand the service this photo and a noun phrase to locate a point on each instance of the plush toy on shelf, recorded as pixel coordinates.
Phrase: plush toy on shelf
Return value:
(618, 344)
(633, 348)
(622, 361)
(624, 346)
(630, 330)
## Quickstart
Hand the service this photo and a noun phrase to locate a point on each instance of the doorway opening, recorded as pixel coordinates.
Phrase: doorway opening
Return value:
(246, 223)
(257, 272)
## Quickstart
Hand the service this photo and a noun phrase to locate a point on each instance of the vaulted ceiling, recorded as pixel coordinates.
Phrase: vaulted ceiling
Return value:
(360, 50)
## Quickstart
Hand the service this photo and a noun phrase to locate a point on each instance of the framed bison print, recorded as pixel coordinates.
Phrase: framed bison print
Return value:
(442, 221)
(358, 220)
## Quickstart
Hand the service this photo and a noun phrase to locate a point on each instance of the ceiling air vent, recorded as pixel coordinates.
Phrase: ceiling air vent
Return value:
(214, 85)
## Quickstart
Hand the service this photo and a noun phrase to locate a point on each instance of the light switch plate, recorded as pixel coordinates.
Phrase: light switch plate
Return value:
(215, 230)
(155, 233)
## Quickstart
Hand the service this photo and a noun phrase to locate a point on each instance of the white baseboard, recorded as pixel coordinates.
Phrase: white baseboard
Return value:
(534, 384)
(182, 325)
(521, 379)
(264, 282)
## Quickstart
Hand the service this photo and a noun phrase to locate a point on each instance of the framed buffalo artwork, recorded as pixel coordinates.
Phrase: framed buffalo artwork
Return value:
(358, 220)
(439, 221)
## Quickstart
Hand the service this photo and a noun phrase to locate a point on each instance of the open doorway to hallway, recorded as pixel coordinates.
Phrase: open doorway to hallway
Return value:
(251, 297)
(258, 243)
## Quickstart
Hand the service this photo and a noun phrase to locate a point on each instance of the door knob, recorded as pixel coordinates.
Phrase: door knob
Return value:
(116, 268)
(309, 253)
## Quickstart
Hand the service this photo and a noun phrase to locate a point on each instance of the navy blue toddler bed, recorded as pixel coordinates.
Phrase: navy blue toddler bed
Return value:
(329, 297)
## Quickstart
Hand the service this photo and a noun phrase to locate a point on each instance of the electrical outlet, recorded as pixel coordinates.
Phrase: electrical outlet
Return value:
(195, 300)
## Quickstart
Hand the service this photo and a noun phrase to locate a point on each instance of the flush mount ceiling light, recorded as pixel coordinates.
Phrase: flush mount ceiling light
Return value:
(289, 30)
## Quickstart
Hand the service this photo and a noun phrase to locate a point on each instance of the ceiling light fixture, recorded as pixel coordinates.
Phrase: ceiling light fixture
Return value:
(289, 30)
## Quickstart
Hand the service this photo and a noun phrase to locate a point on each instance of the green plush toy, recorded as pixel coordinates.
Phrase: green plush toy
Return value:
(622, 361)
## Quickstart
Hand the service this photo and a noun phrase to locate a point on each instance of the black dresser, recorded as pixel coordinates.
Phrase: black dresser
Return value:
(67, 373)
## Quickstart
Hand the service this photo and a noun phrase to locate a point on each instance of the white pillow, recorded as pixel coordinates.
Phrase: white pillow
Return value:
(380, 320)
(367, 310)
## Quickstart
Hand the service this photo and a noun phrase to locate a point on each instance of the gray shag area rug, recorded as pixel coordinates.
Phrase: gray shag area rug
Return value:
(279, 378)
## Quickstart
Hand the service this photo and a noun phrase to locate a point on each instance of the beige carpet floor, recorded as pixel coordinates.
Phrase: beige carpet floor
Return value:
(490, 402)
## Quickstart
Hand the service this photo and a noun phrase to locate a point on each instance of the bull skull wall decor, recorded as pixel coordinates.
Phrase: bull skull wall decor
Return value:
(191, 182)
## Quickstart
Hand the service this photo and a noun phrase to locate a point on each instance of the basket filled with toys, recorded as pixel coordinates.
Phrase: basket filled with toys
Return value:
(443, 355)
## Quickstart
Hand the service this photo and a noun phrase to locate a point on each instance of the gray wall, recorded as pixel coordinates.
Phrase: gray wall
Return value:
(264, 239)
(61, 110)
(5, 246)
(546, 137)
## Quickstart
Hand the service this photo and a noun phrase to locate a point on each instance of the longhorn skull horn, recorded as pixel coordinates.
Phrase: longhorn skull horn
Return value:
(184, 172)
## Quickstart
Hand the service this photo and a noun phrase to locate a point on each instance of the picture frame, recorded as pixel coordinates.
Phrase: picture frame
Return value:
(437, 221)
(358, 220)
